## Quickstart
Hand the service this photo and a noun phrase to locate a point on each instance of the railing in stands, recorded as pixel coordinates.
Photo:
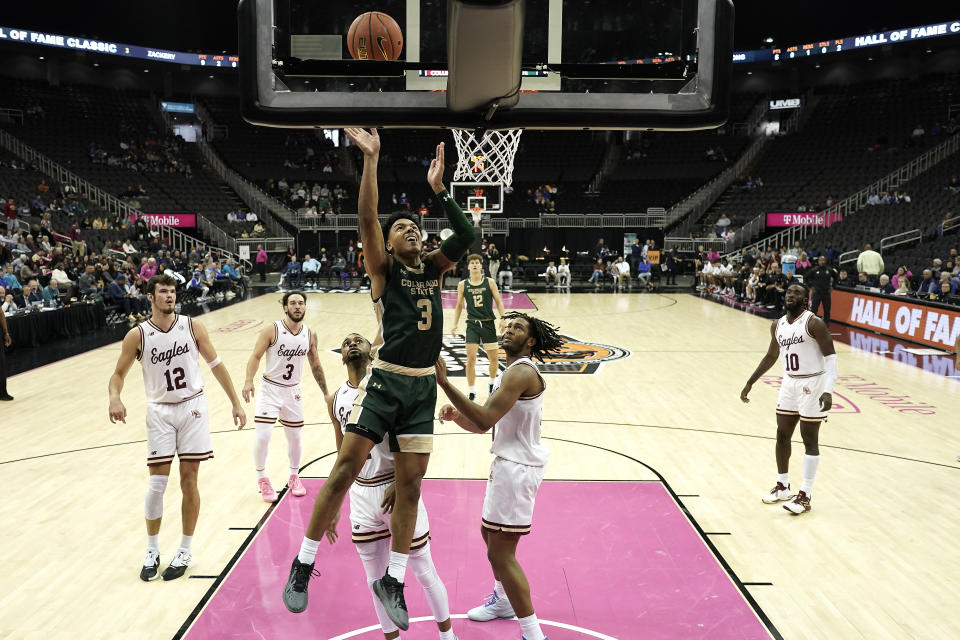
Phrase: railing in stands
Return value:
(692, 245)
(269, 244)
(914, 235)
(265, 206)
(13, 115)
(697, 203)
(97, 196)
(848, 256)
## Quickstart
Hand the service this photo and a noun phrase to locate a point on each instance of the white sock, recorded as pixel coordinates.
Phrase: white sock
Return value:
(784, 479)
(473, 388)
(531, 627)
(153, 542)
(810, 464)
(186, 542)
(498, 589)
(308, 550)
(448, 635)
(261, 474)
(397, 569)
(294, 448)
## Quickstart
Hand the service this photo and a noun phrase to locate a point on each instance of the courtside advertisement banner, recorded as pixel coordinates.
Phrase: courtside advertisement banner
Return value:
(932, 326)
(188, 220)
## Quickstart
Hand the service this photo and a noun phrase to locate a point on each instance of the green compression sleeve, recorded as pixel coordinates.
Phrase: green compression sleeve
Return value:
(463, 230)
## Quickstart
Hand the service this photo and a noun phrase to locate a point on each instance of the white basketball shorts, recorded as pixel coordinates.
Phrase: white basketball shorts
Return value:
(277, 401)
(368, 523)
(802, 396)
(511, 494)
(181, 429)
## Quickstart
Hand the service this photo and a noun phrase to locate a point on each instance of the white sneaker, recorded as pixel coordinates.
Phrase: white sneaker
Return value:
(492, 608)
(178, 566)
(778, 494)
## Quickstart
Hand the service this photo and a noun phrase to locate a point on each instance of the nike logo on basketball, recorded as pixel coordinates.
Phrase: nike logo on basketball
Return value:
(383, 49)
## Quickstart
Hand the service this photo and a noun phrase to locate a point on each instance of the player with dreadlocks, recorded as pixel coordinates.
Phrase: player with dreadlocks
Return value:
(513, 411)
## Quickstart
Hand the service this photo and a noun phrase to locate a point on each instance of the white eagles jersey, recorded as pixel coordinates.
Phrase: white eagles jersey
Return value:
(379, 466)
(800, 353)
(170, 361)
(286, 354)
(516, 436)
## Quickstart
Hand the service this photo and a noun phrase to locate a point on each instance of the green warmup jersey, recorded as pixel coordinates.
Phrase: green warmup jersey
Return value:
(410, 312)
(479, 300)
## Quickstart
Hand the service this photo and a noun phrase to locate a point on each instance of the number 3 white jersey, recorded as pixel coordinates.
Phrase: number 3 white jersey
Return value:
(800, 354)
(171, 361)
(285, 355)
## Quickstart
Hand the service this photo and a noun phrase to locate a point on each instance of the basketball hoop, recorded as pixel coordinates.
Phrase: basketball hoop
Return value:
(487, 158)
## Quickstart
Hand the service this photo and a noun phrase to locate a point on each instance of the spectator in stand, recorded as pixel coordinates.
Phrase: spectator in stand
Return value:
(948, 281)
(10, 213)
(311, 270)
(233, 274)
(597, 275)
(8, 306)
(803, 264)
(51, 293)
(863, 282)
(946, 293)
(77, 241)
(563, 274)
(10, 280)
(871, 263)
(936, 268)
(291, 272)
(644, 275)
(722, 224)
(885, 285)
(550, 274)
(831, 254)
(845, 280)
(929, 286)
(903, 287)
(117, 294)
(505, 273)
(149, 269)
(32, 294)
(198, 286)
(623, 270)
(753, 280)
(351, 256)
(493, 260)
(261, 261)
(773, 288)
(902, 272)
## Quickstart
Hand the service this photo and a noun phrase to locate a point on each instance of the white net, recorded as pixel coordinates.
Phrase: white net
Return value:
(488, 158)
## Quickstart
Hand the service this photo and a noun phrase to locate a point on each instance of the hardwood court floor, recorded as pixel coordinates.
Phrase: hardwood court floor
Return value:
(876, 558)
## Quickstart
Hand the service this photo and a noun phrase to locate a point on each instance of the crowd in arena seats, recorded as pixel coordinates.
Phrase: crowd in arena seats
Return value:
(317, 199)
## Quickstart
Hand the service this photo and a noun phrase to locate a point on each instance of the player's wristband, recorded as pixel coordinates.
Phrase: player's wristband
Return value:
(213, 363)
(830, 373)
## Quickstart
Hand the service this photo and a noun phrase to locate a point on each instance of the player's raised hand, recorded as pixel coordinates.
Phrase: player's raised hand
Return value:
(247, 391)
(441, 370)
(826, 401)
(118, 411)
(435, 172)
(744, 393)
(368, 141)
(448, 412)
(239, 417)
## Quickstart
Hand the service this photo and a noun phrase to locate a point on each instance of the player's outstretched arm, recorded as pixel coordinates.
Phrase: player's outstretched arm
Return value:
(219, 371)
(128, 353)
(769, 359)
(497, 300)
(453, 248)
(375, 256)
(264, 338)
(315, 367)
(516, 382)
(459, 308)
(821, 333)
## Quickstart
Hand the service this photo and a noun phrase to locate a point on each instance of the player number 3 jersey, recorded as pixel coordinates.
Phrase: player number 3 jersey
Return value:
(170, 361)
(800, 354)
(285, 355)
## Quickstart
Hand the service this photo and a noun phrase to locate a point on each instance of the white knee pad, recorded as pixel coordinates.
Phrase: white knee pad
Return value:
(153, 505)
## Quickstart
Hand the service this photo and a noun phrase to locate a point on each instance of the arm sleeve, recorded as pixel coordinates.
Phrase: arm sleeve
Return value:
(463, 233)
(830, 372)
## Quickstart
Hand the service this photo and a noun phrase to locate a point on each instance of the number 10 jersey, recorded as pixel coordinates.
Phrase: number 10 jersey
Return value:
(170, 361)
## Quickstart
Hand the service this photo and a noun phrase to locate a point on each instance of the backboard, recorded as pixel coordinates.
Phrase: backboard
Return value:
(605, 64)
(487, 196)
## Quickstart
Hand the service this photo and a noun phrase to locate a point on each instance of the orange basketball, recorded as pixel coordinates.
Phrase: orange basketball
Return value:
(374, 36)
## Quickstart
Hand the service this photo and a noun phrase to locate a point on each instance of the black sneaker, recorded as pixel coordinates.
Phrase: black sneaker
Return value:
(472, 397)
(390, 593)
(150, 565)
(295, 591)
(178, 566)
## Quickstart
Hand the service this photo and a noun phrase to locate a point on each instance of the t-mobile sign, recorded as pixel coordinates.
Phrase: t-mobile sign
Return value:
(802, 219)
(171, 219)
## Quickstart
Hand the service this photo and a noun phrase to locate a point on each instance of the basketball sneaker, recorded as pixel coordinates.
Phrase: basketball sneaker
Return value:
(778, 494)
(178, 566)
(267, 492)
(800, 504)
(296, 487)
(390, 593)
(472, 397)
(150, 565)
(493, 607)
(295, 591)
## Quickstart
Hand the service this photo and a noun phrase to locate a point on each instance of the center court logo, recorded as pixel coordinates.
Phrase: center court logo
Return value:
(575, 356)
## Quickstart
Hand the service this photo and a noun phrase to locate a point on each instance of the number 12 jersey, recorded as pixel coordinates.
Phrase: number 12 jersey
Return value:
(170, 361)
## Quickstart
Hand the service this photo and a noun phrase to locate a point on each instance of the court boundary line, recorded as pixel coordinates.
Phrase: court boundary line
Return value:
(754, 605)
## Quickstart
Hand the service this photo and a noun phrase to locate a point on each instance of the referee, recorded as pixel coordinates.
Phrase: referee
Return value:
(821, 279)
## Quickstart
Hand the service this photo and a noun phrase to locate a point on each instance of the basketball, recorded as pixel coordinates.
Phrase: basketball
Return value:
(374, 36)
